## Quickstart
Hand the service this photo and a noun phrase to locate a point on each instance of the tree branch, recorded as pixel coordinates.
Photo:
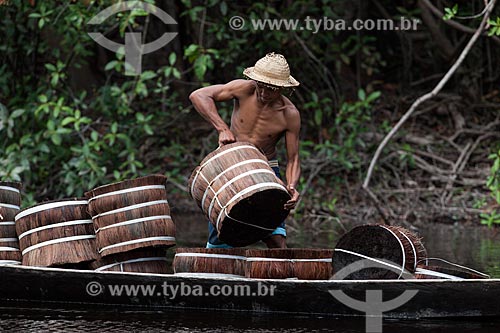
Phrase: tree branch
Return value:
(455, 24)
(431, 94)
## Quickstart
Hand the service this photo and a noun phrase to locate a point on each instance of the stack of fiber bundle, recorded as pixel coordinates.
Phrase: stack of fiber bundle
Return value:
(55, 233)
(10, 202)
(146, 260)
(131, 215)
(239, 193)
(378, 252)
(303, 264)
(212, 262)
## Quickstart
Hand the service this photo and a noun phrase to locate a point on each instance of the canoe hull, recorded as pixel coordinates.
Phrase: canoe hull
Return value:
(52, 287)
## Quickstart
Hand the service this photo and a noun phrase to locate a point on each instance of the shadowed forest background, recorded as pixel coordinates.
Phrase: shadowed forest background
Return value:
(70, 120)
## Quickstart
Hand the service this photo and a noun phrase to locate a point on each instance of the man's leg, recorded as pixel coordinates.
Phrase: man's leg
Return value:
(213, 241)
(277, 238)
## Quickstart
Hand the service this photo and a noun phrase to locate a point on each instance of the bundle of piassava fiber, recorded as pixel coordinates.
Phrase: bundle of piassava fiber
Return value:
(303, 264)
(144, 260)
(131, 214)
(239, 193)
(10, 202)
(377, 252)
(55, 233)
(436, 268)
(228, 262)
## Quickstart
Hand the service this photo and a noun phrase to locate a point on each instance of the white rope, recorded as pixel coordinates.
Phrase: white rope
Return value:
(237, 165)
(402, 250)
(437, 274)
(212, 275)
(246, 223)
(55, 225)
(213, 191)
(215, 157)
(6, 240)
(10, 262)
(51, 205)
(56, 241)
(273, 163)
(135, 241)
(9, 188)
(8, 223)
(289, 260)
(210, 255)
(8, 249)
(124, 209)
(102, 268)
(140, 220)
(128, 190)
(369, 258)
(245, 191)
(453, 264)
(9, 206)
(413, 249)
(235, 179)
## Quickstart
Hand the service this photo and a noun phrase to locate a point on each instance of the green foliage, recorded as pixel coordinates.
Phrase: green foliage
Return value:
(490, 219)
(493, 182)
(494, 27)
(60, 141)
(450, 13)
(341, 145)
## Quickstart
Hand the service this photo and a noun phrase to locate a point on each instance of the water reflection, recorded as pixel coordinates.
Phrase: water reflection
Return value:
(42, 320)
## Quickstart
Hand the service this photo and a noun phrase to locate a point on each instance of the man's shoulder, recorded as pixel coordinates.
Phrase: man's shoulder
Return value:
(290, 108)
(241, 87)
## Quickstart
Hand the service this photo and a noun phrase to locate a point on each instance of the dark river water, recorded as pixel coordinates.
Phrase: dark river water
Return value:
(474, 247)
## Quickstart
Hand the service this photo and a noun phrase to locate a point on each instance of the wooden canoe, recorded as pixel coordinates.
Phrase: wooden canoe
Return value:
(56, 288)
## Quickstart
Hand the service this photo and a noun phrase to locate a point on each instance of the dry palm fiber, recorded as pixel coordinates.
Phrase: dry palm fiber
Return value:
(9, 251)
(8, 229)
(126, 193)
(239, 193)
(10, 200)
(211, 261)
(56, 233)
(118, 238)
(144, 260)
(131, 214)
(8, 212)
(10, 193)
(9, 244)
(381, 246)
(436, 268)
(307, 264)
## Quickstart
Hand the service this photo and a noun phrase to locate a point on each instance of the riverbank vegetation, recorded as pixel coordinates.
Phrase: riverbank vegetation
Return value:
(70, 119)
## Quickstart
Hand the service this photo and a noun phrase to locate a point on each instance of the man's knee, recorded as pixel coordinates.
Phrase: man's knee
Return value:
(275, 241)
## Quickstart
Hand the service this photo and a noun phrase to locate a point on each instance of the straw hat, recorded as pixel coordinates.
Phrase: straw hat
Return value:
(272, 69)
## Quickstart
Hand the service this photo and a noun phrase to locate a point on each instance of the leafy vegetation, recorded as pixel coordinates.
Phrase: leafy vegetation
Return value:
(71, 119)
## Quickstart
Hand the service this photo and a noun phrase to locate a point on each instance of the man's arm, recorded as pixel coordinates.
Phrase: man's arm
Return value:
(204, 100)
(292, 150)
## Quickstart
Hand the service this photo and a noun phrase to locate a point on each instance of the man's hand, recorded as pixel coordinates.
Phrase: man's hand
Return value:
(290, 204)
(226, 137)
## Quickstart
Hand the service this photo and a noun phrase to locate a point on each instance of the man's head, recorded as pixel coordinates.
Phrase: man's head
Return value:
(272, 74)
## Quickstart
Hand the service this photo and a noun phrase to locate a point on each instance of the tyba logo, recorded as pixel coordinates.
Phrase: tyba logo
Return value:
(133, 48)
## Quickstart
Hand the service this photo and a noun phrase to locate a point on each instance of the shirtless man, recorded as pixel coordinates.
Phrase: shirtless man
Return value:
(262, 116)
